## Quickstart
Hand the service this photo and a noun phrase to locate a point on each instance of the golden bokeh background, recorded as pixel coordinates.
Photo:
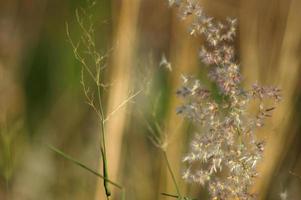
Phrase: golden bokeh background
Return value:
(42, 102)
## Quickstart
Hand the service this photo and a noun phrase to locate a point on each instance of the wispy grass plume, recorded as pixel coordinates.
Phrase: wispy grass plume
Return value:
(225, 150)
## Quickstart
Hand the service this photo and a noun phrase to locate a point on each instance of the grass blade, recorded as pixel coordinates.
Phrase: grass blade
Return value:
(78, 163)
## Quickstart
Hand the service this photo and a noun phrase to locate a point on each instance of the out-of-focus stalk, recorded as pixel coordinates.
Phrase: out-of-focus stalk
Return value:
(181, 44)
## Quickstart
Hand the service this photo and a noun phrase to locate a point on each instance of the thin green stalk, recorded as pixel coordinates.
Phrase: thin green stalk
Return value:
(172, 175)
(105, 173)
(59, 152)
(103, 147)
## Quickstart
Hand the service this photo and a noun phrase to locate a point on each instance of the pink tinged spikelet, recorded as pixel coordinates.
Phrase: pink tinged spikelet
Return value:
(225, 151)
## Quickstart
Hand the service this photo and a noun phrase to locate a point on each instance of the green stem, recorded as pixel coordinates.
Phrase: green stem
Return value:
(172, 175)
(105, 173)
(103, 146)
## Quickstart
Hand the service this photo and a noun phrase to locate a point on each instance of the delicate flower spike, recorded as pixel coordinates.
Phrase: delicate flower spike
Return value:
(225, 141)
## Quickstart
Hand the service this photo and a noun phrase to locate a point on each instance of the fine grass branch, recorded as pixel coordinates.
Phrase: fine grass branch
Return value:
(88, 44)
(93, 64)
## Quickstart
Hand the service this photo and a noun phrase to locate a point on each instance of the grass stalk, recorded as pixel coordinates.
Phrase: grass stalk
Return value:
(103, 144)
(172, 175)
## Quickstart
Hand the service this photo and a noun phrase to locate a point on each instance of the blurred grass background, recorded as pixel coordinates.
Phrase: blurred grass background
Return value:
(41, 99)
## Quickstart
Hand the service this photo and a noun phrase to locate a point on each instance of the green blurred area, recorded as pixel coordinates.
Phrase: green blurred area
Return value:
(42, 102)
